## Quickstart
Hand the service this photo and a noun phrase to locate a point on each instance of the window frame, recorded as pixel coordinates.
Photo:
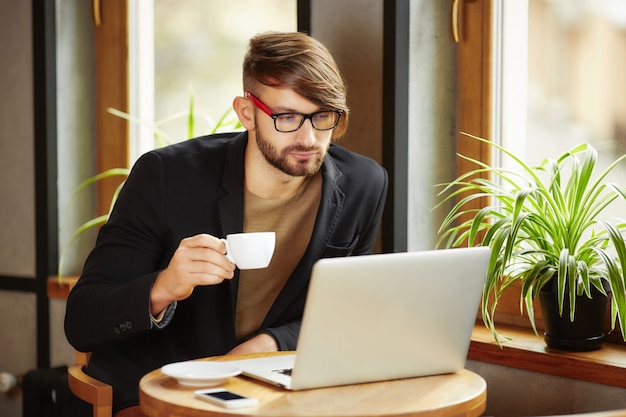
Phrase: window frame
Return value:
(475, 115)
(111, 34)
(474, 63)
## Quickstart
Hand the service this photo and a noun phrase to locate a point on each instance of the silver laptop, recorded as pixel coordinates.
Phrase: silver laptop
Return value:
(382, 317)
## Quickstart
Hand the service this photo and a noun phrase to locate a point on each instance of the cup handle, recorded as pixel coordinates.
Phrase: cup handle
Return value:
(228, 255)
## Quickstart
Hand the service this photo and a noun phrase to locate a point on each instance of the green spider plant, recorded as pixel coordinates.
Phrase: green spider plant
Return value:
(541, 222)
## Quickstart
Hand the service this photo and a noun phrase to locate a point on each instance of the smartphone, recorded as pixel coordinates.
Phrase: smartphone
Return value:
(225, 398)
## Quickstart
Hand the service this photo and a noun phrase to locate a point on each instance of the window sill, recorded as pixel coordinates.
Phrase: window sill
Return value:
(60, 289)
(528, 351)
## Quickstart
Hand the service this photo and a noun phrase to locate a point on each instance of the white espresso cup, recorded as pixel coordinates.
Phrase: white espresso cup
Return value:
(250, 250)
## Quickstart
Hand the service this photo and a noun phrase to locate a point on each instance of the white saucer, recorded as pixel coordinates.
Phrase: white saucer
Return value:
(200, 373)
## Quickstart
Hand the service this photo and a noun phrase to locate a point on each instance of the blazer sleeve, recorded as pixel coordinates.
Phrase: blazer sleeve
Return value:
(111, 300)
(286, 336)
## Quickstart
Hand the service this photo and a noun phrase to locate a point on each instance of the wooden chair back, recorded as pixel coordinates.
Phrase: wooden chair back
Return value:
(88, 389)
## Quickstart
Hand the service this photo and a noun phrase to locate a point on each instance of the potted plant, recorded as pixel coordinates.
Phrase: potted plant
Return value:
(545, 227)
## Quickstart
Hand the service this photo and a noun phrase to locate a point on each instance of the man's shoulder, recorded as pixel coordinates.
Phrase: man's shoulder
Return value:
(355, 172)
(209, 143)
(350, 160)
(202, 154)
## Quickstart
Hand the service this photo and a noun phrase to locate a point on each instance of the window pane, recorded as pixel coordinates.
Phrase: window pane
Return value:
(199, 48)
(576, 83)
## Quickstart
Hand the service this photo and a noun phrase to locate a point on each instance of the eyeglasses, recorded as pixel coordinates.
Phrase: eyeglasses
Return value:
(290, 122)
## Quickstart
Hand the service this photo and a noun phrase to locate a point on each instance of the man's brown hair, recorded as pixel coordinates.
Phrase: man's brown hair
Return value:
(297, 61)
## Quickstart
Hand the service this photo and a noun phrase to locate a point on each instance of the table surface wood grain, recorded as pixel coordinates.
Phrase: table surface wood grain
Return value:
(461, 394)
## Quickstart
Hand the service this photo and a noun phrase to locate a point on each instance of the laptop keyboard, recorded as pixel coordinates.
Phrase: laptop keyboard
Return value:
(286, 371)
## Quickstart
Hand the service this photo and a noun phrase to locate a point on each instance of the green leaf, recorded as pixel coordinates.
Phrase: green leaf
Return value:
(541, 222)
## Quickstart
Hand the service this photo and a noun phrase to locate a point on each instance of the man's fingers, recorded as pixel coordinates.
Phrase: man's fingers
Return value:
(204, 241)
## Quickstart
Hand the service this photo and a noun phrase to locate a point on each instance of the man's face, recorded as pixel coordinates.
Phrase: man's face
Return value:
(299, 153)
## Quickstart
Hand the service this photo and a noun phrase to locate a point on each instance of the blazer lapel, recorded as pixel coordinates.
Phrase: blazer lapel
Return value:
(328, 214)
(231, 206)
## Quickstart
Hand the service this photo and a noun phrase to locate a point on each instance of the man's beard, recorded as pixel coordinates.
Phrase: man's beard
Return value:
(280, 161)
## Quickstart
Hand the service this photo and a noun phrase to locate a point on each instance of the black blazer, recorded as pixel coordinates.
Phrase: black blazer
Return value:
(178, 191)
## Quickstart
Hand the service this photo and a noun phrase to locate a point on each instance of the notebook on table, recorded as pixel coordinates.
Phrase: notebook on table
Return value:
(382, 317)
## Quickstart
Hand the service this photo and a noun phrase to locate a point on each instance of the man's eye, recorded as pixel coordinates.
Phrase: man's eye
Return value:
(288, 118)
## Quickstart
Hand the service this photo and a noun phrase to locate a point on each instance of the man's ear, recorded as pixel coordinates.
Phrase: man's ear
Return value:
(245, 112)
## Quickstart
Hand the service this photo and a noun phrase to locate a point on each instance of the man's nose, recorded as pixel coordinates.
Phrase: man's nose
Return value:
(306, 133)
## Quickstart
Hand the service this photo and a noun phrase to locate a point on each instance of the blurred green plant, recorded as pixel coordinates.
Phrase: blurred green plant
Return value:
(226, 122)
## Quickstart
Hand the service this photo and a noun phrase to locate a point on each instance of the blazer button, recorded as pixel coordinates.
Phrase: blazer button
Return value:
(123, 327)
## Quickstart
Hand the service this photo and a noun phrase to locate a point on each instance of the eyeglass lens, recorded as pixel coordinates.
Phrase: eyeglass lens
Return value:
(323, 120)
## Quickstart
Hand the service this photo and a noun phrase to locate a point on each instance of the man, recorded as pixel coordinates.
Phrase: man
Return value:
(158, 288)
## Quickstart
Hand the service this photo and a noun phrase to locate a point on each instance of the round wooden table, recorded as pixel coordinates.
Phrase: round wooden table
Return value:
(462, 393)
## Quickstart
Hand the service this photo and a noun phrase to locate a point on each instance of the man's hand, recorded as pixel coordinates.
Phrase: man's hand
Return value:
(198, 260)
(260, 343)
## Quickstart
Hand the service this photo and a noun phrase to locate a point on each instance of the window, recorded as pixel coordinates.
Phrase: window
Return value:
(576, 87)
(563, 62)
(546, 52)
(187, 42)
(557, 82)
(198, 52)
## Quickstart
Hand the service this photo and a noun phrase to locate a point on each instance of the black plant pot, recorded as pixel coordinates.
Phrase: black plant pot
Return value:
(586, 332)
